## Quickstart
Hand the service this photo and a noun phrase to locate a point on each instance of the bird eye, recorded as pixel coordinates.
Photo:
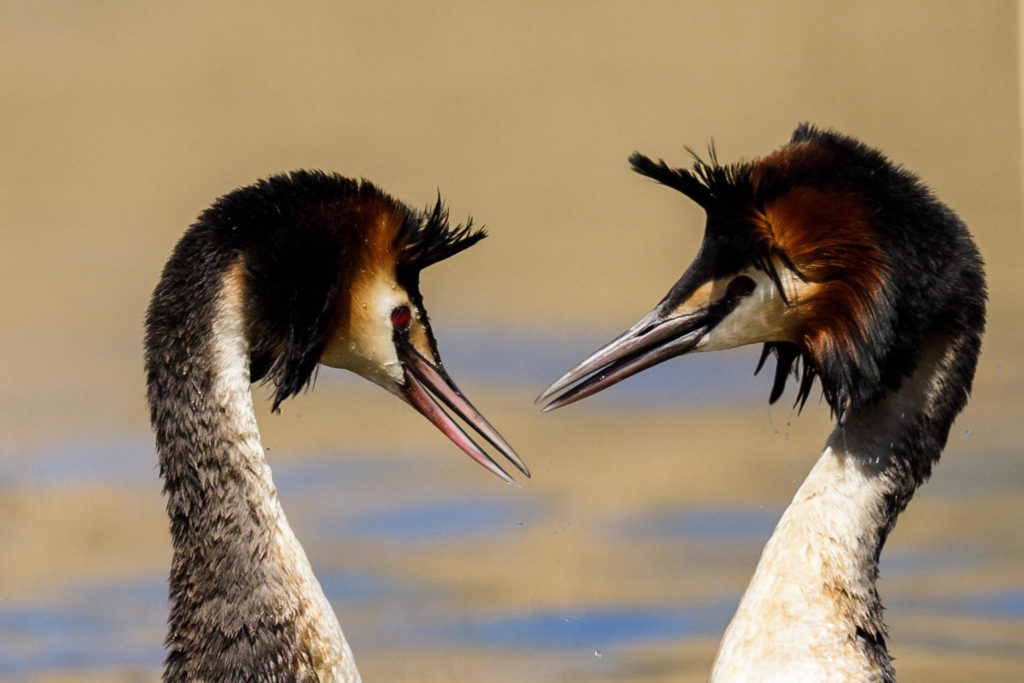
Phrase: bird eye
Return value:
(741, 286)
(401, 316)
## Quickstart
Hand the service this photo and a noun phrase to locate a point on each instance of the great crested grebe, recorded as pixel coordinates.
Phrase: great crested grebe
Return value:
(272, 280)
(849, 270)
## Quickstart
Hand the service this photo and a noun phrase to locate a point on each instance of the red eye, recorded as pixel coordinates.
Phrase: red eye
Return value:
(401, 316)
(741, 286)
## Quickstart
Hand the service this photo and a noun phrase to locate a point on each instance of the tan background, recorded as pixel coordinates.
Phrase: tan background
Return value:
(119, 122)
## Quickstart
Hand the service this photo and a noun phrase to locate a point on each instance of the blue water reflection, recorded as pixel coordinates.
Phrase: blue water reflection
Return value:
(108, 625)
(593, 627)
(705, 523)
(437, 520)
(113, 459)
(1004, 604)
(119, 624)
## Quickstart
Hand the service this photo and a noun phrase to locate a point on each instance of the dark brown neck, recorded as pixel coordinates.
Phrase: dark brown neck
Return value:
(244, 602)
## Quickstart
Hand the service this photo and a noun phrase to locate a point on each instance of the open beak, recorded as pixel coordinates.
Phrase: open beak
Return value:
(658, 336)
(427, 382)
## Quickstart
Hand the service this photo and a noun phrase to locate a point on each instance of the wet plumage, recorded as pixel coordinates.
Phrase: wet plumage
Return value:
(273, 280)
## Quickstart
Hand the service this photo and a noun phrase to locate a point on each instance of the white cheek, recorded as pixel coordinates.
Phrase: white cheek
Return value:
(379, 365)
(762, 316)
(370, 350)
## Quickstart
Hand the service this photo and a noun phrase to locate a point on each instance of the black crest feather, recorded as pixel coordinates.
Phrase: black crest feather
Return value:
(691, 185)
(427, 238)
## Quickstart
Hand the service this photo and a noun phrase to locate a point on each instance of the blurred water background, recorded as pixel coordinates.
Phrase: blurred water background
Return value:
(624, 557)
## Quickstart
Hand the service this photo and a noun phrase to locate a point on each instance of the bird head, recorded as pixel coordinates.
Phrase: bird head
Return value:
(838, 261)
(332, 268)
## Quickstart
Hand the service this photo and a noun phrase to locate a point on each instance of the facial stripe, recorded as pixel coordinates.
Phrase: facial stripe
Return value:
(701, 298)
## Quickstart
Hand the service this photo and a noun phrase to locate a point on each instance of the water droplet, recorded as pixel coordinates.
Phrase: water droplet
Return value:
(968, 433)
(567, 620)
(999, 367)
(598, 654)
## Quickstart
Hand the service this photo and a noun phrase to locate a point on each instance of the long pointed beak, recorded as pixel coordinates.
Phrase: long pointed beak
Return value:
(424, 382)
(654, 339)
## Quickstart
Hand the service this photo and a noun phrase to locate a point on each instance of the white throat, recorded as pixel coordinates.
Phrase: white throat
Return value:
(287, 570)
(814, 583)
(811, 612)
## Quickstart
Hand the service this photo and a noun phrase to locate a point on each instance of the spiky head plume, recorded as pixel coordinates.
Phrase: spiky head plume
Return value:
(302, 239)
(882, 257)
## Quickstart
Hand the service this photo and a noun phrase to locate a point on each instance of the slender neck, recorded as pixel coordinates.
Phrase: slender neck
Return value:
(812, 611)
(245, 604)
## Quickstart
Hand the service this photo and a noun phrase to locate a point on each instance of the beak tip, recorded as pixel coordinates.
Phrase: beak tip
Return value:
(423, 378)
(557, 402)
(557, 386)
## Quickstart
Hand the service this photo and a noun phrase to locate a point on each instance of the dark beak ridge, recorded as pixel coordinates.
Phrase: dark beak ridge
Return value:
(654, 339)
